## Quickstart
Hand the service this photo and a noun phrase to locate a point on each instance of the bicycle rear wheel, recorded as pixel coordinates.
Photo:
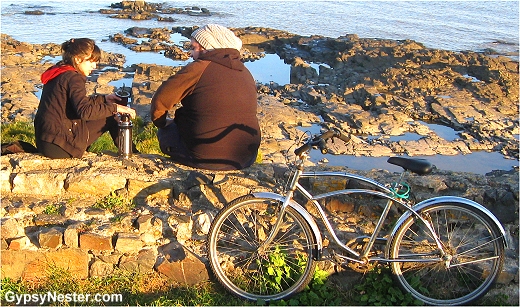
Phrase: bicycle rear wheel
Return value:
(474, 259)
(278, 271)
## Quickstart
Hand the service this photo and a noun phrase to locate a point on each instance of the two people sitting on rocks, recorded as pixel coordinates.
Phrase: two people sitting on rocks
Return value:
(216, 126)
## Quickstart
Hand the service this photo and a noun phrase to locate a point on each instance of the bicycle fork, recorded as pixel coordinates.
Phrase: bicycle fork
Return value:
(286, 202)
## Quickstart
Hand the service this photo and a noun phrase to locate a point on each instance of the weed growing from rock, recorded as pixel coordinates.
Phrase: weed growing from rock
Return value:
(52, 209)
(115, 203)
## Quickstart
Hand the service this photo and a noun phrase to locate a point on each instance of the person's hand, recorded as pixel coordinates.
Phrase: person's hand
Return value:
(112, 98)
(127, 110)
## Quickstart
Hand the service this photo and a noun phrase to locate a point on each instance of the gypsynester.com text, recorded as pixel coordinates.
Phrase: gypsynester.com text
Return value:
(54, 297)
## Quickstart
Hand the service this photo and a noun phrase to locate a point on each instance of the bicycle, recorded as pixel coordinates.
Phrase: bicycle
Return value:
(445, 250)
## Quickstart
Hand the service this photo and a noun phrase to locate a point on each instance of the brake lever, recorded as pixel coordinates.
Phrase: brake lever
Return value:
(322, 145)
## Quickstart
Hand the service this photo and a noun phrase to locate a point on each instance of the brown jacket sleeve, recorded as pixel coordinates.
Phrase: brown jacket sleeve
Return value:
(173, 90)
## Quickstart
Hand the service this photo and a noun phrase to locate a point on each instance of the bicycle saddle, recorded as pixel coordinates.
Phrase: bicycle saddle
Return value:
(418, 166)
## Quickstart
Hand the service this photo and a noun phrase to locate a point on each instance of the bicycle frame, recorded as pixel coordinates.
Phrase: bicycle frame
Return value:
(381, 191)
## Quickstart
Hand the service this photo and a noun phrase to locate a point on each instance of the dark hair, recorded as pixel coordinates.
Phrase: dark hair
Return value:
(82, 48)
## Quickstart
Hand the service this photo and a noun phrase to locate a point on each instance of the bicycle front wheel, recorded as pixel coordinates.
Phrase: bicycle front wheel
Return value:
(472, 260)
(276, 271)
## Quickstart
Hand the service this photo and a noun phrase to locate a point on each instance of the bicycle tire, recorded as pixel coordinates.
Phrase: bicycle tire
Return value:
(283, 269)
(474, 244)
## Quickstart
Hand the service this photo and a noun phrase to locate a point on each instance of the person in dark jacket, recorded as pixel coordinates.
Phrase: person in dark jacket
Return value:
(216, 126)
(67, 120)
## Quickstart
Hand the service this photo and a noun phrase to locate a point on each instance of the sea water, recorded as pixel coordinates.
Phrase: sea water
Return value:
(449, 25)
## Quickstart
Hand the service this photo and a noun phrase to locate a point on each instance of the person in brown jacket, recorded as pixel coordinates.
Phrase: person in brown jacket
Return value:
(216, 126)
(67, 120)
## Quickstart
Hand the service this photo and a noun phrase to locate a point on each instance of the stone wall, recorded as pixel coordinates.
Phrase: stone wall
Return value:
(50, 217)
(51, 213)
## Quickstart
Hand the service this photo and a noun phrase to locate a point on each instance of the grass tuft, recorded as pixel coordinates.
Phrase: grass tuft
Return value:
(20, 130)
(144, 137)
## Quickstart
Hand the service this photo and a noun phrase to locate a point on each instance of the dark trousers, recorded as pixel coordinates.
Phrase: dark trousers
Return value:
(171, 143)
(95, 127)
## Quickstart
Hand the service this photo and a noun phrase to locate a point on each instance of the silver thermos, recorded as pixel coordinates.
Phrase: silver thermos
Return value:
(125, 136)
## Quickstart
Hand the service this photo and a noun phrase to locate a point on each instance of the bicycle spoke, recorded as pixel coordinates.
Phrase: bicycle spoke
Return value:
(276, 270)
(468, 264)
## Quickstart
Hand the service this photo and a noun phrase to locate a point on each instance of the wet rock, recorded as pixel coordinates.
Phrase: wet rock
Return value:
(176, 53)
(35, 12)
(167, 19)
(401, 78)
(301, 72)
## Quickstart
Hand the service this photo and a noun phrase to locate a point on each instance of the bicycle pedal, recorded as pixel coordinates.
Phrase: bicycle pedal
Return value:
(333, 257)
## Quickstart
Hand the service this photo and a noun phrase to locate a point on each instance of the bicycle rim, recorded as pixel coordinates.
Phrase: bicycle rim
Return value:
(475, 255)
(282, 269)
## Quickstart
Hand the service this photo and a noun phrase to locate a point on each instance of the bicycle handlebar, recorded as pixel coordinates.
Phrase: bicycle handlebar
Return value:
(320, 141)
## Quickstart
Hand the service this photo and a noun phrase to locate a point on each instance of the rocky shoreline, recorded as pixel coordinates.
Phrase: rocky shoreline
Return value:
(371, 88)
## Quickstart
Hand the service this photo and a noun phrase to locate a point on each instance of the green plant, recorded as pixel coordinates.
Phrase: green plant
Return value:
(59, 279)
(102, 144)
(378, 289)
(20, 130)
(277, 270)
(148, 289)
(116, 219)
(499, 299)
(11, 286)
(146, 138)
(115, 203)
(319, 292)
(203, 294)
(52, 209)
(259, 157)
(152, 289)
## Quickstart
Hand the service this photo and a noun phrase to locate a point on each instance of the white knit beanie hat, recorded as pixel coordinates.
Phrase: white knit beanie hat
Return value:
(214, 36)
